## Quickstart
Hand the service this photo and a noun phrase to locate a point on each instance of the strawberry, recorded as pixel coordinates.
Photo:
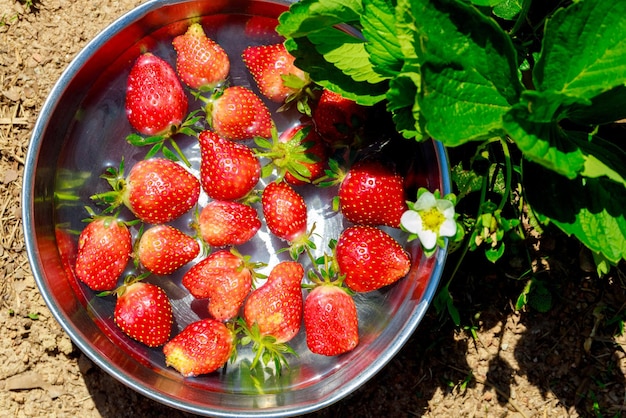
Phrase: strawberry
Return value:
(225, 277)
(370, 258)
(372, 194)
(298, 155)
(285, 214)
(313, 154)
(338, 120)
(200, 348)
(237, 113)
(104, 248)
(228, 170)
(276, 307)
(274, 72)
(162, 249)
(156, 103)
(201, 62)
(262, 29)
(330, 320)
(272, 314)
(224, 223)
(143, 311)
(66, 246)
(157, 190)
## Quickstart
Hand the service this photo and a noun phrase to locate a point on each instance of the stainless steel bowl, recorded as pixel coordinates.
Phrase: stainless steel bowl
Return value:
(81, 129)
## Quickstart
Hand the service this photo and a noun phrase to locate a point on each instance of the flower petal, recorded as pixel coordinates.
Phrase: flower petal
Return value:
(426, 201)
(428, 238)
(411, 221)
(448, 228)
(446, 208)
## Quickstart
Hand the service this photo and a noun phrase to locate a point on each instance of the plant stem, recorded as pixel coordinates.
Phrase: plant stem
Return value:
(508, 167)
(466, 247)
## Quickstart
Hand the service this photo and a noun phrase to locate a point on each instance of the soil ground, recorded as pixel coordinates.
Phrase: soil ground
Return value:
(501, 362)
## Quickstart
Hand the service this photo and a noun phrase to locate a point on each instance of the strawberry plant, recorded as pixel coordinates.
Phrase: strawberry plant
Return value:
(530, 91)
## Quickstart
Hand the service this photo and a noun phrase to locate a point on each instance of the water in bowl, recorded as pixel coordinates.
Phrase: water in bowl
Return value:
(96, 140)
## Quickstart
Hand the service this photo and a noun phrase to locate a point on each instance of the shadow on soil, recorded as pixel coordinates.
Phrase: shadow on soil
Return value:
(568, 354)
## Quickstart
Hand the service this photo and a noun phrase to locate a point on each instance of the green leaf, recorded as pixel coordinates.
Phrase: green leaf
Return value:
(407, 33)
(307, 16)
(604, 108)
(347, 53)
(584, 49)
(591, 209)
(533, 125)
(403, 105)
(522, 299)
(329, 76)
(154, 151)
(466, 181)
(334, 56)
(603, 266)
(540, 297)
(378, 22)
(508, 9)
(169, 154)
(469, 72)
(603, 158)
(486, 3)
(460, 105)
(493, 254)
(444, 300)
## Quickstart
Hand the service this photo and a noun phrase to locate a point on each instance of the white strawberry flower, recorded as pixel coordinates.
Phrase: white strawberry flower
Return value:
(430, 219)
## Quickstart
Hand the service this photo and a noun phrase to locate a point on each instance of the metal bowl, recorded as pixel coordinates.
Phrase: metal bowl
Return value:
(81, 130)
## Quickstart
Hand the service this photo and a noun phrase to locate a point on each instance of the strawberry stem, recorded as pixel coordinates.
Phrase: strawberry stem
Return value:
(187, 127)
(114, 198)
(249, 265)
(286, 157)
(265, 347)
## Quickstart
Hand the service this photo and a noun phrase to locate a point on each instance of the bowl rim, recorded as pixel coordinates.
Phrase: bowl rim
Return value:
(85, 345)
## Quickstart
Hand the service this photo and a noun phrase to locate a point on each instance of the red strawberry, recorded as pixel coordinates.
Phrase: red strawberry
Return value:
(313, 154)
(104, 248)
(298, 155)
(372, 194)
(201, 347)
(237, 113)
(162, 249)
(338, 120)
(370, 258)
(225, 278)
(272, 315)
(143, 311)
(274, 72)
(224, 223)
(156, 103)
(67, 250)
(276, 307)
(228, 170)
(157, 190)
(262, 29)
(201, 62)
(285, 214)
(330, 321)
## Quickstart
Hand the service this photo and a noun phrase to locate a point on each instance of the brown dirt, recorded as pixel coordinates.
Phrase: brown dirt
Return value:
(567, 362)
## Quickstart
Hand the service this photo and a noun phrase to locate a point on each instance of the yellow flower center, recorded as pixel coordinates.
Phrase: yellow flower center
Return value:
(432, 219)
